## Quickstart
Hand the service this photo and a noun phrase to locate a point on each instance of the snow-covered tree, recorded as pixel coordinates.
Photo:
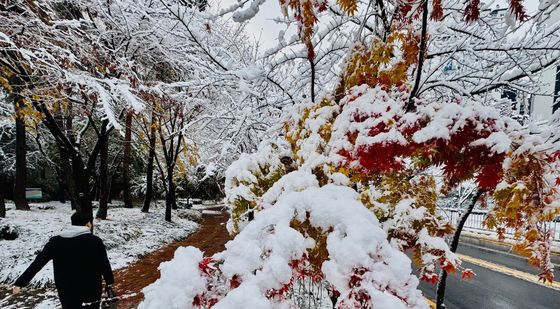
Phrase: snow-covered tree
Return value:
(384, 127)
(87, 64)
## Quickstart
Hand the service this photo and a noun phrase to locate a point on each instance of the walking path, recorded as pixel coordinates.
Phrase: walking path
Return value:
(129, 282)
(209, 238)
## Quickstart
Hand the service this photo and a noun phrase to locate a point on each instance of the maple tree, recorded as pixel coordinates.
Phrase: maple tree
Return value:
(388, 124)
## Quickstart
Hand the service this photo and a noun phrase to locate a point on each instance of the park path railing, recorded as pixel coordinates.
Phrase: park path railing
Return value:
(476, 219)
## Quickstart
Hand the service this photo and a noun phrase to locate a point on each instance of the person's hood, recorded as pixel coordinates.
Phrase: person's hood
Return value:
(74, 231)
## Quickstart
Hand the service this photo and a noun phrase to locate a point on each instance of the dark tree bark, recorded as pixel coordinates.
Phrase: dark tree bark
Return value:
(440, 291)
(21, 157)
(2, 206)
(150, 168)
(170, 198)
(111, 179)
(421, 57)
(82, 177)
(171, 147)
(126, 160)
(312, 86)
(80, 171)
(61, 190)
(94, 191)
(69, 182)
(103, 175)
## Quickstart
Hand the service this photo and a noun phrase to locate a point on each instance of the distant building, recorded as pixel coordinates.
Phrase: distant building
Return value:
(543, 106)
(527, 105)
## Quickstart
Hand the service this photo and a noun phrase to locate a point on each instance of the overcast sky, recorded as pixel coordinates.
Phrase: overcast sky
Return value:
(262, 27)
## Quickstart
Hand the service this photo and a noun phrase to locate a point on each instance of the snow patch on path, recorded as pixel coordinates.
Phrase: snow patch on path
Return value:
(128, 234)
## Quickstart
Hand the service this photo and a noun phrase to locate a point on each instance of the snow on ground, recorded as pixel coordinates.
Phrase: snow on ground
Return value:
(128, 234)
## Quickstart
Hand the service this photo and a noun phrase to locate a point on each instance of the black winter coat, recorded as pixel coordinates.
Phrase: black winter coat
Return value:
(79, 263)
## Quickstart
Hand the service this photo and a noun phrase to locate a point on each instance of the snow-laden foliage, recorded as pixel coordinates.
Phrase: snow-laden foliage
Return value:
(250, 176)
(461, 58)
(171, 79)
(402, 107)
(391, 154)
(302, 236)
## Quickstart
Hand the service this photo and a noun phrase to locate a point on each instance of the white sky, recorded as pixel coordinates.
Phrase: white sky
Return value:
(262, 28)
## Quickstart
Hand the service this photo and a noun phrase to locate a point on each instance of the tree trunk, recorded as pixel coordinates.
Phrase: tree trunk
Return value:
(94, 191)
(69, 181)
(81, 178)
(61, 190)
(2, 206)
(170, 198)
(150, 170)
(312, 86)
(65, 167)
(103, 175)
(110, 187)
(440, 291)
(21, 159)
(126, 160)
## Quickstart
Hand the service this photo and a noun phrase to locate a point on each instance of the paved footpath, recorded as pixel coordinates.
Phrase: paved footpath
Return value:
(210, 238)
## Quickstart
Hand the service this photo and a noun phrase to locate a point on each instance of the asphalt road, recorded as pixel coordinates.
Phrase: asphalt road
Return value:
(491, 288)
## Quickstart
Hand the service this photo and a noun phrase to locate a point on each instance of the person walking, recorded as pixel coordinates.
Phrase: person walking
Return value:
(80, 261)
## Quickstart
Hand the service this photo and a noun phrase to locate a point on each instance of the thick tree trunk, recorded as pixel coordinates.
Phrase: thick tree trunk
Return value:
(61, 190)
(69, 181)
(84, 206)
(103, 175)
(94, 191)
(440, 291)
(81, 177)
(126, 160)
(170, 198)
(69, 185)
(21, 158)
(2, 206)
(150, 170)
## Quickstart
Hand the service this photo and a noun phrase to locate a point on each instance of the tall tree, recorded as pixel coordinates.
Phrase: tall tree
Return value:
(69, 82)
(103, 173)
(150, 164)
(21, 155)
(170, 129)
(126, 159)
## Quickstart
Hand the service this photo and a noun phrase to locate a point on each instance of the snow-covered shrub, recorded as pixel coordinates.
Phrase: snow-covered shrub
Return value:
(367, 139)
(190, 214)
(250, 177)
(322, 233)
(8, 232)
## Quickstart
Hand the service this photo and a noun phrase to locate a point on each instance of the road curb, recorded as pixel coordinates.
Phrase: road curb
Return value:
(483, 241)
